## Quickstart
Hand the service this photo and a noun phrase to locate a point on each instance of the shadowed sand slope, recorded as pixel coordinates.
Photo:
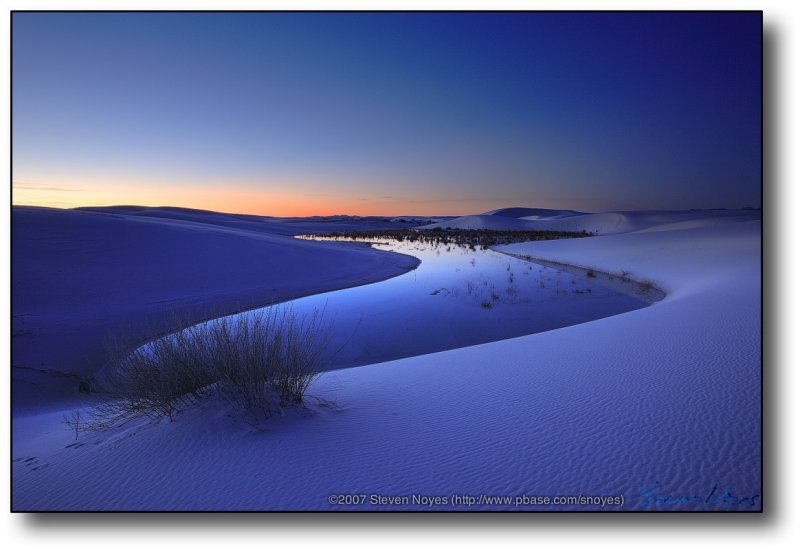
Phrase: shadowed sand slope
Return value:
(80, 278)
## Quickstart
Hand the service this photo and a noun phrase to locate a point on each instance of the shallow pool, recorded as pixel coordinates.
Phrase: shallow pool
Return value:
(456, 297)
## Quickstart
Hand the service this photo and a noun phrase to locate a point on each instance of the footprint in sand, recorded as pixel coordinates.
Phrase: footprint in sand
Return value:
(31, 461)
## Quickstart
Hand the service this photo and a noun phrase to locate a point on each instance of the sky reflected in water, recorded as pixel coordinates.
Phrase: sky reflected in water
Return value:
(457, 297)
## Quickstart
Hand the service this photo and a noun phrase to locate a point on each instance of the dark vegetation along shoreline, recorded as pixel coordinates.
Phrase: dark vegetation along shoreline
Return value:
(468, 238)
(643, 289)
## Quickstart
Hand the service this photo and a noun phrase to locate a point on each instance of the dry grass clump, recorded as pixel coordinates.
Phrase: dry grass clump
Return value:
(258, 361)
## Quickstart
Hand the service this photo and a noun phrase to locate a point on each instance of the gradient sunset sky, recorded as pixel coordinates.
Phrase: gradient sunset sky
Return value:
(387, 114)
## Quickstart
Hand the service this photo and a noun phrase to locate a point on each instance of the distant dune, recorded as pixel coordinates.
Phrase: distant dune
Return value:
(532, 213)
(481, 221)
(263, 224)
(605, 223)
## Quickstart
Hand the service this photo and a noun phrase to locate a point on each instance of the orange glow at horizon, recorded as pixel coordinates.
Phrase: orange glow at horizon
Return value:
(235, 200)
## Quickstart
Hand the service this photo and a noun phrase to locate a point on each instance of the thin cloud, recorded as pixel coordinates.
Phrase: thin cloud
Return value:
(40, 188)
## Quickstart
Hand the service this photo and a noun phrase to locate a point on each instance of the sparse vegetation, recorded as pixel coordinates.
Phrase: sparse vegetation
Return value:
(85, 385)
(591, 274)
(259, 362)
(76, 423)
(470, 239)
(486, 304)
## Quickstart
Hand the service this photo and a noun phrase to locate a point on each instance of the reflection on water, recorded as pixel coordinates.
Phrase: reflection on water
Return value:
(456, 297)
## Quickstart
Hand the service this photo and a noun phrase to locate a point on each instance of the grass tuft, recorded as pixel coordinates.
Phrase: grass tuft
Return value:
(258, 361)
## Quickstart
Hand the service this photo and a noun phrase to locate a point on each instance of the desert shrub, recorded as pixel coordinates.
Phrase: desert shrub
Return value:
(86, 385)
(305, 341)
(156, 379)
(76, 423)
(258, 362)
(243, 359)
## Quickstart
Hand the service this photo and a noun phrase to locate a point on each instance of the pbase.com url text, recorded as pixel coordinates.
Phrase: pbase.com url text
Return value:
(468, 501)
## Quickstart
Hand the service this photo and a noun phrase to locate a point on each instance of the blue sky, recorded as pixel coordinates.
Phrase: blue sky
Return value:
(396, 113)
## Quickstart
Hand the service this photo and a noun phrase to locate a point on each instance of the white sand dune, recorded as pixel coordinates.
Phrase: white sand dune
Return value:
(659, 401)
(262, 224)
(608, 223)
(605, 223)
(82, 279)
(532, 213)
(482, 221)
